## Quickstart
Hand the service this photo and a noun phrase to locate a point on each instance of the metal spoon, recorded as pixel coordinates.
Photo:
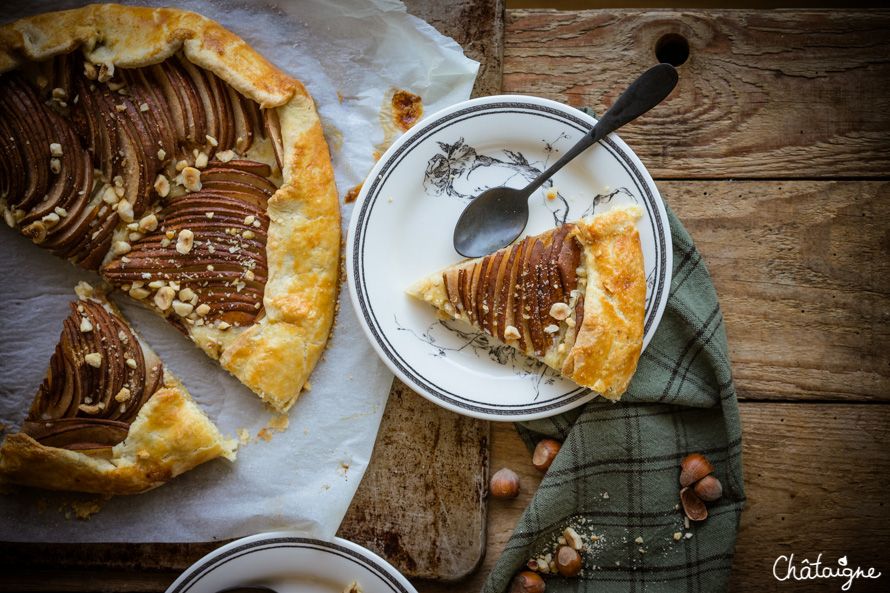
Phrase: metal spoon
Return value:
(498, 215)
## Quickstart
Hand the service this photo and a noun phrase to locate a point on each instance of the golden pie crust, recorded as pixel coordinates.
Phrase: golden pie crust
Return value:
(170, 435)
(601, 350)
(274, 356)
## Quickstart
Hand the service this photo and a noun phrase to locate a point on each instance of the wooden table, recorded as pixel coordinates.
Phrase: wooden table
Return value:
(774, 151)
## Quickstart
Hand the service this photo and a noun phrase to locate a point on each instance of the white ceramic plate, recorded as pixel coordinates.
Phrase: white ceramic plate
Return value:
(289, 563)
(402, 227)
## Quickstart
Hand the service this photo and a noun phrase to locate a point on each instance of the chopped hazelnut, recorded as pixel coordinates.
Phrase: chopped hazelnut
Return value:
(121, 247)
(122, 395)
(560, 311)
(125, 211)
(131, 362)
(139, 293)
(109, 196)
(85, 325)
(164, 297)
(184, 241)
(572, 538)
(202, 309)
(162, 186)
(191, 179)
(55, 149)
(55, 165)
(94, 359)
(148, 223)
(182, 309)
(511, 333)
(201, 160)
(89, 409)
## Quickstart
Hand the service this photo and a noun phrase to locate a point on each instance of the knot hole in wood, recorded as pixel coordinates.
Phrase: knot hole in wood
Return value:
(673, 49)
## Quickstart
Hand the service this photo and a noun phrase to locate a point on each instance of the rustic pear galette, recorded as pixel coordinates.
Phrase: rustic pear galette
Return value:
(159, 150)
(573, 297)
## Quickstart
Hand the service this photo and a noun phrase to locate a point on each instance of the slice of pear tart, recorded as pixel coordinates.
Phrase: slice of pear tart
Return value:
(572, 297)
(157, 148)
(109, 417)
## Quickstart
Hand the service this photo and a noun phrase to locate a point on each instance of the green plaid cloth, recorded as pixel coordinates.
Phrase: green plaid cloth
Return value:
(616, 477)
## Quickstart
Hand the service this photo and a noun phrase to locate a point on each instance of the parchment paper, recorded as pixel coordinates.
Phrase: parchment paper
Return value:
(304, 477)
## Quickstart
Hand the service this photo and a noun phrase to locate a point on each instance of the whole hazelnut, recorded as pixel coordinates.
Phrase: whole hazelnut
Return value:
(527, 582)
(568, 561)
(708, 488)
(504, 484)
(694, 468)
(545, 453)
(694, 508)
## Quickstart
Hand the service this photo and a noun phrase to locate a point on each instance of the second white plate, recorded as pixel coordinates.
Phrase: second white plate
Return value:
(289, 563)
(402, 226)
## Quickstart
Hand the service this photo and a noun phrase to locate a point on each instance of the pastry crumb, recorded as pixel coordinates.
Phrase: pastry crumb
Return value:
(85, 510)
(279, 423)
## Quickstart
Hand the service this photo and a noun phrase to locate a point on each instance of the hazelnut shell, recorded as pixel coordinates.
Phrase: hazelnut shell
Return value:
(694, 508)
(708, 488)
(694, 468)
(527, 582)
(545, 453)
(504, 484)
(568, 561)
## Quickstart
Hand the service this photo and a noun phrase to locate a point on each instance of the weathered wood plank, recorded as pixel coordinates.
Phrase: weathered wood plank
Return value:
(434, 462)
(802, 271)
(763, 94)
(507, 450)
(816, 478)
(478, 27)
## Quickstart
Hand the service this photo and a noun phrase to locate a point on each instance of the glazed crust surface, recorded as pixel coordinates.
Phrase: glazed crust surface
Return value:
(607, 343)
(132, 37)
(275, 356)
(610, 340)
(170, 436)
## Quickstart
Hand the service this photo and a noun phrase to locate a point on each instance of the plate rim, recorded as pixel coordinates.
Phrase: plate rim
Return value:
(617, 148)
(192, 576)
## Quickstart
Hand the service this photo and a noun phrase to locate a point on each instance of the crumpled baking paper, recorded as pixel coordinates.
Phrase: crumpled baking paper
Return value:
(349, 54)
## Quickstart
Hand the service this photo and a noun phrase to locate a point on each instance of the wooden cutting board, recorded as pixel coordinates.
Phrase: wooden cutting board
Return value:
(421, 504)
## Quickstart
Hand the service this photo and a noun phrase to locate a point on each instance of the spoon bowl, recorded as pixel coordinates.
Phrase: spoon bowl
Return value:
(477, 232)
(496, 217)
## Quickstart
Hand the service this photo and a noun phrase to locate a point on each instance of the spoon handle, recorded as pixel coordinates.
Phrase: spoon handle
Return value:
(643, 94)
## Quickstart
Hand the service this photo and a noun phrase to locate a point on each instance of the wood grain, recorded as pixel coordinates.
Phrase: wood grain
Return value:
(763, 94)
(478, 27)
(816, 478)
(802, 271)
(434, 462)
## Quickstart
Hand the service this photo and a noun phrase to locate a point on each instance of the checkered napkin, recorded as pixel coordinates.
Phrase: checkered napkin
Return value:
(615, 480)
